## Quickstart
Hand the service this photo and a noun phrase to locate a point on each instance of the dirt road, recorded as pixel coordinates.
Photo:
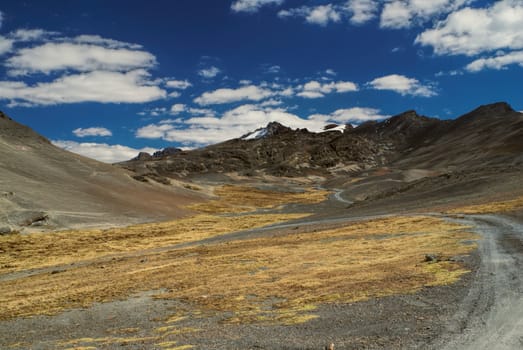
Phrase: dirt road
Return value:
(491, 316)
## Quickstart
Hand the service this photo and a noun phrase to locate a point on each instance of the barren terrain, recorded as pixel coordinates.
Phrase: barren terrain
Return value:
(218, 281)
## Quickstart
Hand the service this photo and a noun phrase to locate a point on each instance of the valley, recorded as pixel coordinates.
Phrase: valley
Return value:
(401, 234)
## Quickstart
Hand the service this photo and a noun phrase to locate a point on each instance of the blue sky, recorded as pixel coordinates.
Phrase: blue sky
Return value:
(110, 78)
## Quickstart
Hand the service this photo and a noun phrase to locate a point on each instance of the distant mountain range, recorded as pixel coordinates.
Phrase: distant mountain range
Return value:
(488, 136)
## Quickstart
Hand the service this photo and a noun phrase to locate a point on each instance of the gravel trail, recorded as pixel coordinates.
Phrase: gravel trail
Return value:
(491, 316)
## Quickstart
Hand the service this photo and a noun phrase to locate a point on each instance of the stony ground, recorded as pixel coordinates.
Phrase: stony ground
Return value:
(449, 309)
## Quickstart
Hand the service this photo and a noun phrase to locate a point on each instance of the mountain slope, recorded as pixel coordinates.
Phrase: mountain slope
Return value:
(489, 135)
(41, 184)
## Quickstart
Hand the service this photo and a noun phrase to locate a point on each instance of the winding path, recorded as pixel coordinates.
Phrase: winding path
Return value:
(491, 316)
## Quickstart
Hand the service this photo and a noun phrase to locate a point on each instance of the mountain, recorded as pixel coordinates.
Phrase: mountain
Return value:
(489, 135)
(43, 186)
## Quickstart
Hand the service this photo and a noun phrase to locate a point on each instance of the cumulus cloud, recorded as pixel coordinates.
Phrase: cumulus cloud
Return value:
(315, 89)
(52, 69)
(354, 115)
(24, 34)
(93, 131)
(252, 6)
(100, 41)
(221, 96)
(393, 14)
(6, 45)
(97, 86)
(402, 85)
(320, 15)
(51, 57)
(178, 84)
(405, 13)
(500, 61)
(102, 151)
(362, 11)
(209, 73)
(201, 111)
(178, 108)
(470, 31)
(175, 94)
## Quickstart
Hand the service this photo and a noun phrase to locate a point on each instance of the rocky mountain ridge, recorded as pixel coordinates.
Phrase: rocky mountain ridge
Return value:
(487, 135)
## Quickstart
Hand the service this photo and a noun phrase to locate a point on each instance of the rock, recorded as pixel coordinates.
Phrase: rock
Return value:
(432, 258)
(169, 151)
(5, 230)
(330, 126)
(143, 156)
(330, 346)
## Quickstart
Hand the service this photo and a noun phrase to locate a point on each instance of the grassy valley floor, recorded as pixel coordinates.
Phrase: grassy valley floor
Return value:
(168, 286)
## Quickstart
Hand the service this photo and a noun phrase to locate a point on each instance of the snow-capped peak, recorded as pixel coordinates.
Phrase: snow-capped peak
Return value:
(256, 134)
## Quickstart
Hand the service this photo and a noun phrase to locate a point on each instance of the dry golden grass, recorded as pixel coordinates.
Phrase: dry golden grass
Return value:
(279, 279)
(274, 279)
(236, 199)
(20, 252)
(494, 207)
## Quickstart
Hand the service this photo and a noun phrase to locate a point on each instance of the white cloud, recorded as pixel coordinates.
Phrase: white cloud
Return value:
(6, 45)
(252, 6)
(158, 111)
(498, 62)
(402, 85)
(352, 115)
(331, 72)
(310, 94)
(110, 43)
(271, 103)
(85, 68)
(362, 11)
(51, 57)
(471, 31)
(320, 15)
(210, 72)
(178, 84)
(220, 96)
(451, 73)
(273, 69)
(178, 108)
(405, 13)
(102, 151)
(24, 34)
(202, 111)
(97, 86)
(175, 94)
(93, 131)
(315, 89)
(395, 14)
